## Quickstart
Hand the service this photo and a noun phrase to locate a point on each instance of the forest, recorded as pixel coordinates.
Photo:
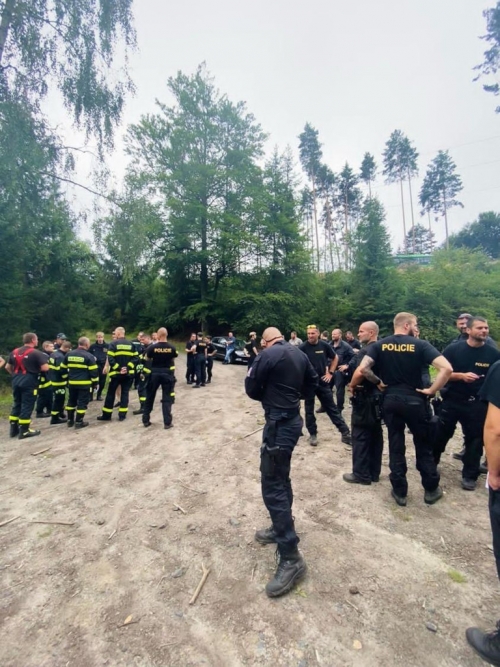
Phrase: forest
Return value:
(211, 229)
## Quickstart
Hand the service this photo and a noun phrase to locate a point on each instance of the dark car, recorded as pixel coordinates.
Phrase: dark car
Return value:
(237, 355)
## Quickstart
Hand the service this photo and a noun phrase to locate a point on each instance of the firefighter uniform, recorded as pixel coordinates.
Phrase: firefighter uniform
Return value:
(122, 357)
(100, 350)
(143, 375)
(161, 355)
(44, 395)
(26, 364)
(59, 384)
(83, 375)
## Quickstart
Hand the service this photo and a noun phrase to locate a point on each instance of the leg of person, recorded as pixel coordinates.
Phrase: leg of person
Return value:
(83, 399)
(107, 410)
(153, 384)
(417, 418)
(376, 451)
(15, 410)
(325, 396)
(487, 644)
(73, 392)
(44, 402)
(167, 398)
(339, 381)
(361, 441)
(392, 414)
(210, 365)
(311, 425)
(203, 371)
(472, 421)
(101, 384)
(197, 370)
(58, 406)
(142, 393)
(447, 421)
(28, 401)
(126, 384)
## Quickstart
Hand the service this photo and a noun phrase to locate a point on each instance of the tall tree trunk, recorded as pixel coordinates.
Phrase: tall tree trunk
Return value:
(8, 10)
(369, 188)
(346, 212)
(445, 213)
(403, 209)
(315, 211)
(430, 230)
(412, 216)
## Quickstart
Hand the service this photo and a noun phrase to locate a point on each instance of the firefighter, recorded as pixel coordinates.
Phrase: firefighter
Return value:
(25, 363)
(58, 382)
(143, 373)
(122, 357)
(83, 376)
(44, 396)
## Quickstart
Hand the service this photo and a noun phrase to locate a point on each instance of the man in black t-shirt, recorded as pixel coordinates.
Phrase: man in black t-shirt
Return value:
(200, 361)
(487, 645)
(398, 362)
(210, 357)
(344, 354)
(355, 344)
(471, 360)
(251, 348)
(324, 361)
(162, 355)
(190, 354)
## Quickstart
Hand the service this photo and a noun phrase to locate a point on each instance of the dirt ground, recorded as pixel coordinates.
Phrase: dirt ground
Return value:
(131, 554)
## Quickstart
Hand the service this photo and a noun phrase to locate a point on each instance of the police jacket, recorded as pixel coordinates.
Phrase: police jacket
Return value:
(81, 368)
(55, 371)
(122, 353)
(100, 352)
(344, 352)
(279, 377)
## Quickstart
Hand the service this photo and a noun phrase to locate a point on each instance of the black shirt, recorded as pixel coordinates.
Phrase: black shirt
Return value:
(399, 360)
(251, 349)
(162, 355)
(343, 351)
(210, 349)
(465, 336)
(354, 343)
(279, 376)
(366, 385)
(32, 362)
(490, 391)
(201, 347)
(320, 356)
(467, 359)
(100, 352)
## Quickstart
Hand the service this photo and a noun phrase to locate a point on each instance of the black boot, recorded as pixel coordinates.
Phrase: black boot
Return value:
(138, 412)
(265, 536)
(122, 417)
(26, 432)
(487, 645)
(14, 429)
(346, 438)
(291, 568)
(351, 478)
(104, 418)
(81, 424)
(57, 419)
(459, 455)
(71, 422)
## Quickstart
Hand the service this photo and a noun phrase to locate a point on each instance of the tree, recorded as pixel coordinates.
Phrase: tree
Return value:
(368, 171)
(440, 187)
(491, 62)
(421, 241)
(400, 164)
(349, 206)
(327, 193)
(310, 159)
(483, 234)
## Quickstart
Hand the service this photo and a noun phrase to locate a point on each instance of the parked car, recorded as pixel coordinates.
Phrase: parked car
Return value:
(238, 354)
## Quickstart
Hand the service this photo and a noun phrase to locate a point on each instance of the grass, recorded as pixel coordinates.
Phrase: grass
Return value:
(457, 576)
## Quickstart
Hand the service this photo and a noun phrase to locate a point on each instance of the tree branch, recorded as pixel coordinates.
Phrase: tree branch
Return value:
(79, 185)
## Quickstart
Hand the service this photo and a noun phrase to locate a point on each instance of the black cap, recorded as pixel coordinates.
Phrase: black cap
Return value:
(61, 336)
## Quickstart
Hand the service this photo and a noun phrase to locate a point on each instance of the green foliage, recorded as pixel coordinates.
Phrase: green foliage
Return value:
(491, 62)
(400, 158)
(483, 234)
(368, 171)
(419, 240)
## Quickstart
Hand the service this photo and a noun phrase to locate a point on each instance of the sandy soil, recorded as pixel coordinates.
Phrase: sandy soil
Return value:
(66, 591)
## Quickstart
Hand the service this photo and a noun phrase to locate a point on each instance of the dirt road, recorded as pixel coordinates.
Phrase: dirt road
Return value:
(114, 587)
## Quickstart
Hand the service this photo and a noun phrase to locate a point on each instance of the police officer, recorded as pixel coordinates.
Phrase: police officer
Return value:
(353, 342)
(461, 325)
(210, 358)
(44, 396)
(200, 361)
(162, 355)
(278, 378)
(487, 645)
(398, 361)
(251, 348)
(83, 375)
(190, 353)
(122, 358)
(142, 373)
(344, 354)
(25, 363)
(100, 351)
(324, 361)
(366, 424)
(471, 360)
(58, 379)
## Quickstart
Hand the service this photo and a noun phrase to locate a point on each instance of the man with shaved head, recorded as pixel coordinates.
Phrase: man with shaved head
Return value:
(366, 424)
(161, 357)
(122, 357)
(280, 375)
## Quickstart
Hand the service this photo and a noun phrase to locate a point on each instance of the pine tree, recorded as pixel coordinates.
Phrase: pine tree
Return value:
(368, 171)
(310, 159)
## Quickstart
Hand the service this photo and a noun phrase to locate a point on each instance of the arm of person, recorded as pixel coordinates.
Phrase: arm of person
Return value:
(311, 381)
(44, 368)
(2, 362)
(256, 377)
(444, 369)
(491, 437)
(365, 371)
(464, 377)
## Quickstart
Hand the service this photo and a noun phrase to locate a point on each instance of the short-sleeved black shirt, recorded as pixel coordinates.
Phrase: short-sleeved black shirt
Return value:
(201, 346)
(32, 361)
(399, 360)
(354, 343)
(467, 359)
(320, 355)
(490, 391)
(162, 355)
(210, 348)
(250, 348)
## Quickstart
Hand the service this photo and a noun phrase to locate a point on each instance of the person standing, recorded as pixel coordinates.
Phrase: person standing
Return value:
(278, 378)
(25, 363)
(44, 395)
(355, 344)
(487, 645)
(398, 361)
(251, 348)
(294, 339)
(122, 358)
(461, 325)
(230, 347)
(324, 361)
(190, 353)
(100, 351)
(210, 358)
(58, 379)
(366, 423)
(344, 354)
(142, 373)
(471, 360)
(59, 339)
(161, 355)
(83, 375)
(200, 361)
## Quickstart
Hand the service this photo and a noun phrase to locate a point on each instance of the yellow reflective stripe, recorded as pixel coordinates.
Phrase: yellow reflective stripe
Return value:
(81, 412)
(173, 393)
(25, 421)
(80, 382)
(95, 379)
(122, 409)
(63, 365)
(172, 368)
(68, 408)
(54, 413)
(13, 419)
(72, 365)
(59, 384)
(112, 373)
(92, 368)
(35, 392)
(107, 409)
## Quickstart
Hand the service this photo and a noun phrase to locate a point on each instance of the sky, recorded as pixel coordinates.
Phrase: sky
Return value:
(355, 70)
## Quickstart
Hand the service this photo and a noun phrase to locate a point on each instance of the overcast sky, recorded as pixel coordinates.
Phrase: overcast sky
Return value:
(355, 70)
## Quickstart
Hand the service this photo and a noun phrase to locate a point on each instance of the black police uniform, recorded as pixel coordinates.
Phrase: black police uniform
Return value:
(26, 363)
(278, 378)
(464, 336)
(461, 404)
(354, 343)
(142, 374)
(122, 354)
(210, 361)
(320, 356)
(398, 362)
(44, 395)
(83, 375)
(100, 352)
(190, 362)
(162, 355)
(251, 350)
(200, 362)
(345, 353)
(59, 384)
(366, 426)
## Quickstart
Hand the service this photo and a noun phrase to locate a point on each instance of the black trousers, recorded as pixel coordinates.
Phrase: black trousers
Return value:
(125, 382)
(210, 365)
(190, 367)
(278, 442)
(323, 392)
(339, 380)
(24, 393)
(142, 388)
(399, 411)
(167, 383)
(471, 415)
(102, 380)
(494, 507)
(44, 400)
(200, 369)
(58, 398)
(78, 401)
(367, 448)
